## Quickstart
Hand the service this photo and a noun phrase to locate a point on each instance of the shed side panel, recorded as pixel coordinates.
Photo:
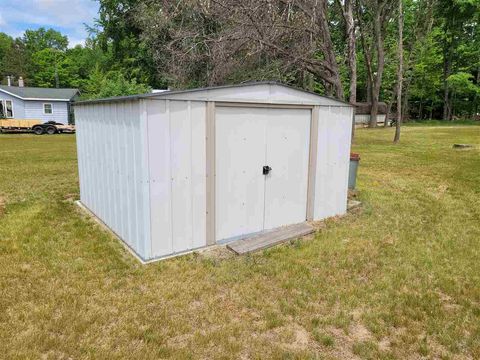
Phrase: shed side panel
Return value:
(112, 173)
(333, 157)
(181, 167)
(176, 132)
(160, 177)
(199, 181)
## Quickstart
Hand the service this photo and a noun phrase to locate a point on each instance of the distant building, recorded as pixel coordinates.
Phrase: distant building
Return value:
(30, 103)
(362, 113)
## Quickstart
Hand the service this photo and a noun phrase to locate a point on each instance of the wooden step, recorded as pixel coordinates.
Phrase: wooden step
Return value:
(270, 238)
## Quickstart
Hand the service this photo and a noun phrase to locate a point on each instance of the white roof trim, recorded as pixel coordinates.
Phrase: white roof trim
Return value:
(205, 94)
(46, 99)
(35, 99)
(9, 93)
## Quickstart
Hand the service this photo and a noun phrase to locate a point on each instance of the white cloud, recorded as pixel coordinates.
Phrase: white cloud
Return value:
(67, 16)
(2, 21)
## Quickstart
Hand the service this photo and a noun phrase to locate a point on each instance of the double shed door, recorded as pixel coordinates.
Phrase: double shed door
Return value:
(261, 176)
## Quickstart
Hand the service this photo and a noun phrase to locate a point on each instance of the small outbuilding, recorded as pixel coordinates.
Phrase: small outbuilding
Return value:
(40, 104)
(176, 171)
(363, 110)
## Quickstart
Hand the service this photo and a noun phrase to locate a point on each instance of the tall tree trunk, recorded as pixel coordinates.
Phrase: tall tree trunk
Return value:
(377, 83)
(352, 57)
(447, 70)
(396, 139)
(352, 53)
(405, 105)
(347, 11)
(366, 54)
(390, 104)
(322, 11)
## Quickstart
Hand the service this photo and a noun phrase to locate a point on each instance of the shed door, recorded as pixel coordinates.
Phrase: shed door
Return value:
(247, 140)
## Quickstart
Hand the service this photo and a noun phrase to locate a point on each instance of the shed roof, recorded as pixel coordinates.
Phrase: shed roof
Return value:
(260, 92)
(35, 93)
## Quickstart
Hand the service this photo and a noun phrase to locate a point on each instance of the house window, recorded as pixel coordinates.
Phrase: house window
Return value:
(8, 109)
(47, 108)
(2, 110)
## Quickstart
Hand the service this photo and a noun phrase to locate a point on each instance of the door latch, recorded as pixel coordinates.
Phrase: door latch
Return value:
(266, 170)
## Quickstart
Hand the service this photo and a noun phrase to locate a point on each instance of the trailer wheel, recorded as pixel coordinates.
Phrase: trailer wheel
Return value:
(38, 130)
(51, 130)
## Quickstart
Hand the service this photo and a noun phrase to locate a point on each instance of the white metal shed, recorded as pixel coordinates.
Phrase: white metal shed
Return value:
(176, 171)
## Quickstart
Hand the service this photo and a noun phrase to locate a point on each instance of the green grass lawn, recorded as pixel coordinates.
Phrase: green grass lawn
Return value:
(399, 279)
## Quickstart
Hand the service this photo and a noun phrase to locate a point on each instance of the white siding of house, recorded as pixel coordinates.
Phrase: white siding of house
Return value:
(18, 106)
(333, 159)
(34, 110)
(113, 169)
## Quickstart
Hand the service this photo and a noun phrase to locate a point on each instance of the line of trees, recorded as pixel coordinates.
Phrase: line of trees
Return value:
(348, 49)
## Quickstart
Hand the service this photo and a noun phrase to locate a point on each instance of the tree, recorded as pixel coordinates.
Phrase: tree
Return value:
(41, 39)
(347, 12)
(460, 27)
(6, 43)
(418, 29)
(211, 41)
(373, 18)
(15, 60)
(118, 35)
(46, 67)
(400, 72)
(113, 83)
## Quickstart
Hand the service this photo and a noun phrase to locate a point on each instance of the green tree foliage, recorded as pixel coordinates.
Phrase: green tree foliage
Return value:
(113, 83)
(40, 39)
(6, 43)
(141, 44)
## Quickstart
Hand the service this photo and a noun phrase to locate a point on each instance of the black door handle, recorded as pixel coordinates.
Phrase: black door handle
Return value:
(266, 170)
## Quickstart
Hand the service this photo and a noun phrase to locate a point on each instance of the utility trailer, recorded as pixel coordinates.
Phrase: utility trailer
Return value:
(35, 126)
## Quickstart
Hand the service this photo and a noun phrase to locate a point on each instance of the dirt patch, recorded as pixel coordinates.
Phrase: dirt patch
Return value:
(440, 191)
(385, 345)
(301, 336)
(70, 198)
(217, 252)
(292, 337)
(2, 205)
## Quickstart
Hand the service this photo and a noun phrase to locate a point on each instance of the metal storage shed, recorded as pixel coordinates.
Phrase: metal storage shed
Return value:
(176, 171)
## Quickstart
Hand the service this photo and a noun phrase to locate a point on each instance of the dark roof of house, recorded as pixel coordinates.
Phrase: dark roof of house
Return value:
(364, 108)
(34, 93)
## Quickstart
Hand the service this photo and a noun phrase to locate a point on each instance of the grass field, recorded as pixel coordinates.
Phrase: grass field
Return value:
(399, 279)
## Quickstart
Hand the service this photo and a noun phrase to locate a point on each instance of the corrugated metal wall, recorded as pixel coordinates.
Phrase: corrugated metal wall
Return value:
(113, 169)
(142, 168)
(177, 155)
(333, 157)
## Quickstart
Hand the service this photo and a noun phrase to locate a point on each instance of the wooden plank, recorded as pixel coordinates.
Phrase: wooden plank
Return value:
(270, 238)
(19, 123)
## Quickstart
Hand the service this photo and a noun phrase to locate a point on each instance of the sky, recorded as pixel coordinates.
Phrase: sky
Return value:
(67, 16)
